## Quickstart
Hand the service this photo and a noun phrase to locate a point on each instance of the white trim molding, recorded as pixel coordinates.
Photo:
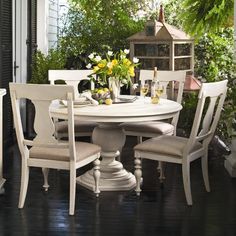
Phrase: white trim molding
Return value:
(42, 25)
(19, 32)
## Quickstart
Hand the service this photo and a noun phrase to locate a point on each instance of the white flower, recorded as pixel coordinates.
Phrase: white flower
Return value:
(91, 56)
(135, 60)
(126, 51)
(98, 58)
(110, 53)
(122, 57)
(89, 66)
(109, 65)
(134, 86)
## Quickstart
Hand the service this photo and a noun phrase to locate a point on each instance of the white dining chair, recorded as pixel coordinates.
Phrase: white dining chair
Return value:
(182, 150)
(149, 129)
(74, 78)
(152, 129)
(45, 150)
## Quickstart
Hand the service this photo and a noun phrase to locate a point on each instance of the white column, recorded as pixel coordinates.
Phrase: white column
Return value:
(42, 25)
(19, 32)
(2, 180)
(19, 46)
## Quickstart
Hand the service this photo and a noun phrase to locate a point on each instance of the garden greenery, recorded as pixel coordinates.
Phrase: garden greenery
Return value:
(99, 25)
(201, 17)
(42, 63)
(211, 23)
(96, 26)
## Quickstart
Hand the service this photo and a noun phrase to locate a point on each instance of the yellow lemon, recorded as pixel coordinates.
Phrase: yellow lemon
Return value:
(100, 91)
(105, 89)
(108, 101)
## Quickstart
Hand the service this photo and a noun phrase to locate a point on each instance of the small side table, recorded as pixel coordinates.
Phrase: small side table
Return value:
(2, 180)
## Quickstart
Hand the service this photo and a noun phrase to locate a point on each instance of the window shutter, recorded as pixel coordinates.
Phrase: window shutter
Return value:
(31, 50)
(32, 35)
(6, 67)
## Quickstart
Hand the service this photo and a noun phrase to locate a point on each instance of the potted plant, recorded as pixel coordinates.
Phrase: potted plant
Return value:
(55, 59)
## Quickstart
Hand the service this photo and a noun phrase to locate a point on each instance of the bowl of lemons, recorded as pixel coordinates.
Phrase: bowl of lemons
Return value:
(102, 95)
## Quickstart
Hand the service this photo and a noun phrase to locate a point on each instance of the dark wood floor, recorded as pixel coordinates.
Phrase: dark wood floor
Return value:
(159, 211)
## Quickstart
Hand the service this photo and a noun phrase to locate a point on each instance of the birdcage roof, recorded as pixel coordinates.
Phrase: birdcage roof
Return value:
(163, 31)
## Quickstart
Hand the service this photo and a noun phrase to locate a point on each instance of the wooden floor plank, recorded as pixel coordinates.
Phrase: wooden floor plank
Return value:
(158, 211)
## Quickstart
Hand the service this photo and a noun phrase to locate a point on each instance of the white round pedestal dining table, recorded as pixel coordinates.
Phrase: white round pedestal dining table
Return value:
(110, 136)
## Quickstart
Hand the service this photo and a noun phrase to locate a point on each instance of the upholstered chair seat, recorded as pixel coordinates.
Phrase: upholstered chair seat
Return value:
(173, 146)
(83, 150)
(149, 127)
(81, 127)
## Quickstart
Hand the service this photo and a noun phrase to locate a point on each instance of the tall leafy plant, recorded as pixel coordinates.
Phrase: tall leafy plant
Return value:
(55, 59)
(92, 26)
(209, 21)
(200, 16)
(214, 62)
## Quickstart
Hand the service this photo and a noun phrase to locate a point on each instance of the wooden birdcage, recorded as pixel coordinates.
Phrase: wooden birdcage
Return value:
(163, 46)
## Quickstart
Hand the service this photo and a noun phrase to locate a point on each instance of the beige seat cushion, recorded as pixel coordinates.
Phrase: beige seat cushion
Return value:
(80, 126)
(155, 127)
(83, 150)
(166, 145)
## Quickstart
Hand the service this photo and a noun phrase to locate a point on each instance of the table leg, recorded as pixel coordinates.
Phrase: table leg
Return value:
(113, 176)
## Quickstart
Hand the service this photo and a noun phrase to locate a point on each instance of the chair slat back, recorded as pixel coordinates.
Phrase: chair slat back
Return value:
(166, 78)
(71, 77)
(210, 102)
(171, 78)
(41, 96)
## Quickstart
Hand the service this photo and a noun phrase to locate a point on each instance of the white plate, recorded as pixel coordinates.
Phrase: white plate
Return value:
(78, 102)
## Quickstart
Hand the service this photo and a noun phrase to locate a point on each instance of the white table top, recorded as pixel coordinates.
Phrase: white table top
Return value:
(123, 112)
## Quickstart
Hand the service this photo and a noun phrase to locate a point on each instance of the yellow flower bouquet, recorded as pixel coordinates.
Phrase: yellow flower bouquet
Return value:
(114, 65)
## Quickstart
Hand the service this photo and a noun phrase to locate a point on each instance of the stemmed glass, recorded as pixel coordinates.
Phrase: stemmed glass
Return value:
(158, 92)
(144, 90)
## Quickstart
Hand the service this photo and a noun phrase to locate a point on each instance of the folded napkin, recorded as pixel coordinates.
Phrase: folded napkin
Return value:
(84, 99)
(88, 96)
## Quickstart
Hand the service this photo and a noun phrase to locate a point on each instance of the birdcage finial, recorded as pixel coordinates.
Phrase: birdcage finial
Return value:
(161, 15)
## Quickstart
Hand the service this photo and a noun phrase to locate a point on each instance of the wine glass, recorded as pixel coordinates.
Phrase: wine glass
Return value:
(144, 90)
(159, 89)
